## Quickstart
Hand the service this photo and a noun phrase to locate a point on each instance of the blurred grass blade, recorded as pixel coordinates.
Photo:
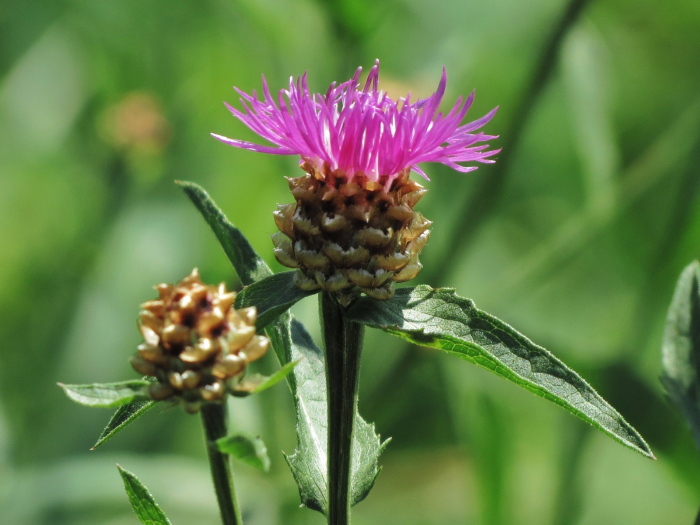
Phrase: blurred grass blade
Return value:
(439, 318)
(107, 395)
(247, 449)
(292, 342)
(145, 507)
(681, 348)
(272, 296)
(124, 415)
(248, 264)
(586, 77)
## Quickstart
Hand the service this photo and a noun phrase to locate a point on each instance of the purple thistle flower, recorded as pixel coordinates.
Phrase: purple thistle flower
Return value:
(355, 131)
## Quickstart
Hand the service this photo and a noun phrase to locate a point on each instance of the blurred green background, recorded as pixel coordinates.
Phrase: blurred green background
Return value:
(575, 236)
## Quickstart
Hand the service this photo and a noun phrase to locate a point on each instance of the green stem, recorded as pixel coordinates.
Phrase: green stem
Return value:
(343, 344)
(214, 420)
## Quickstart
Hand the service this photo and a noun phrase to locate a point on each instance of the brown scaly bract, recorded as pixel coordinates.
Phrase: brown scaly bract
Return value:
(196, 345)
(356, 236)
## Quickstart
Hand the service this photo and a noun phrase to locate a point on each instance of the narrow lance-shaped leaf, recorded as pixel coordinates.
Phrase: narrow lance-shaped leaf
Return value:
(250, 450)
(124, 415)
(307, 382)
(248, 265)
(107, 395)
(681, 348)
(145, 507)
(270, 381)
(441, 319)
(258, 383)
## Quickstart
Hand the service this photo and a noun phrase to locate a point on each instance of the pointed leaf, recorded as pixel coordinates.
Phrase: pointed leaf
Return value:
(107, 395)
(123, 416)
(248, 449)
(145, 507)
(309, 462)
(258, 383)
(272, 296)
(291, 342)
(439, 318)
(275, 378)
(681, 348)
(249, 266)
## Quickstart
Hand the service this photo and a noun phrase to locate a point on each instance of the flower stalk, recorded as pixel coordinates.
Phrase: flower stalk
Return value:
(343, 345)
(215, 427)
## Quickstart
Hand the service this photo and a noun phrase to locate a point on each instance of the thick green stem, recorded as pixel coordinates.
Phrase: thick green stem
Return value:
(343, 344)
(214, 419)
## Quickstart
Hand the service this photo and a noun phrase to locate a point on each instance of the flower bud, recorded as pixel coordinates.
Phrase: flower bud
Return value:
(349, 237)
(196, 345)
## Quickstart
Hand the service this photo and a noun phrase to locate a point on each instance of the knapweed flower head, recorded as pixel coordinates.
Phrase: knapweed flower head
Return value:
(196, 344)
(353, 224)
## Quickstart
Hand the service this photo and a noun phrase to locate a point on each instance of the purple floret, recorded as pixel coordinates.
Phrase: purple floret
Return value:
(359, 131)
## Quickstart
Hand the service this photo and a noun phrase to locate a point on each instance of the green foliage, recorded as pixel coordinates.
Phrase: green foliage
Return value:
(250, 450)
(270, 381)
(259, 383)
(272, 296)
(123, 416)
(309, 461)
(441, 319)
(107, 395)
(681, 348)
(143, 503)
(292, 343)
(249, 266)
(579, 245)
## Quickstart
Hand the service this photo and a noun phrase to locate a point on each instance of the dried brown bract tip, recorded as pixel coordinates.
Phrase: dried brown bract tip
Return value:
(196, 344)
(348, 237)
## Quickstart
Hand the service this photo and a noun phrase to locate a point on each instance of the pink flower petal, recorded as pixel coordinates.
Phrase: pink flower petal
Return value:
(359, 130)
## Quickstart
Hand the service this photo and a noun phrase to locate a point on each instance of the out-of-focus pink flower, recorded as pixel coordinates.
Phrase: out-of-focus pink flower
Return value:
(359, 132)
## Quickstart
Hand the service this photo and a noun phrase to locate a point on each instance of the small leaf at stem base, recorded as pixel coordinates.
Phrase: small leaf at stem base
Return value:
(250, 450)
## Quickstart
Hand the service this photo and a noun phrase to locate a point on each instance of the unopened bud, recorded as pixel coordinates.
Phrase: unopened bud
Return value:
(351, 236)
(196, 345)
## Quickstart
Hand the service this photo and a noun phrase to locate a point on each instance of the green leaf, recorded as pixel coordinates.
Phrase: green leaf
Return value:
(107, 395)
(681, 348)
(291, 342)
(248, 449)
(439, 318)
(145, 507)
(249, 266)
(272, 296)
(309, 461)
(258, 383)
(123, 416)
(275, 378)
